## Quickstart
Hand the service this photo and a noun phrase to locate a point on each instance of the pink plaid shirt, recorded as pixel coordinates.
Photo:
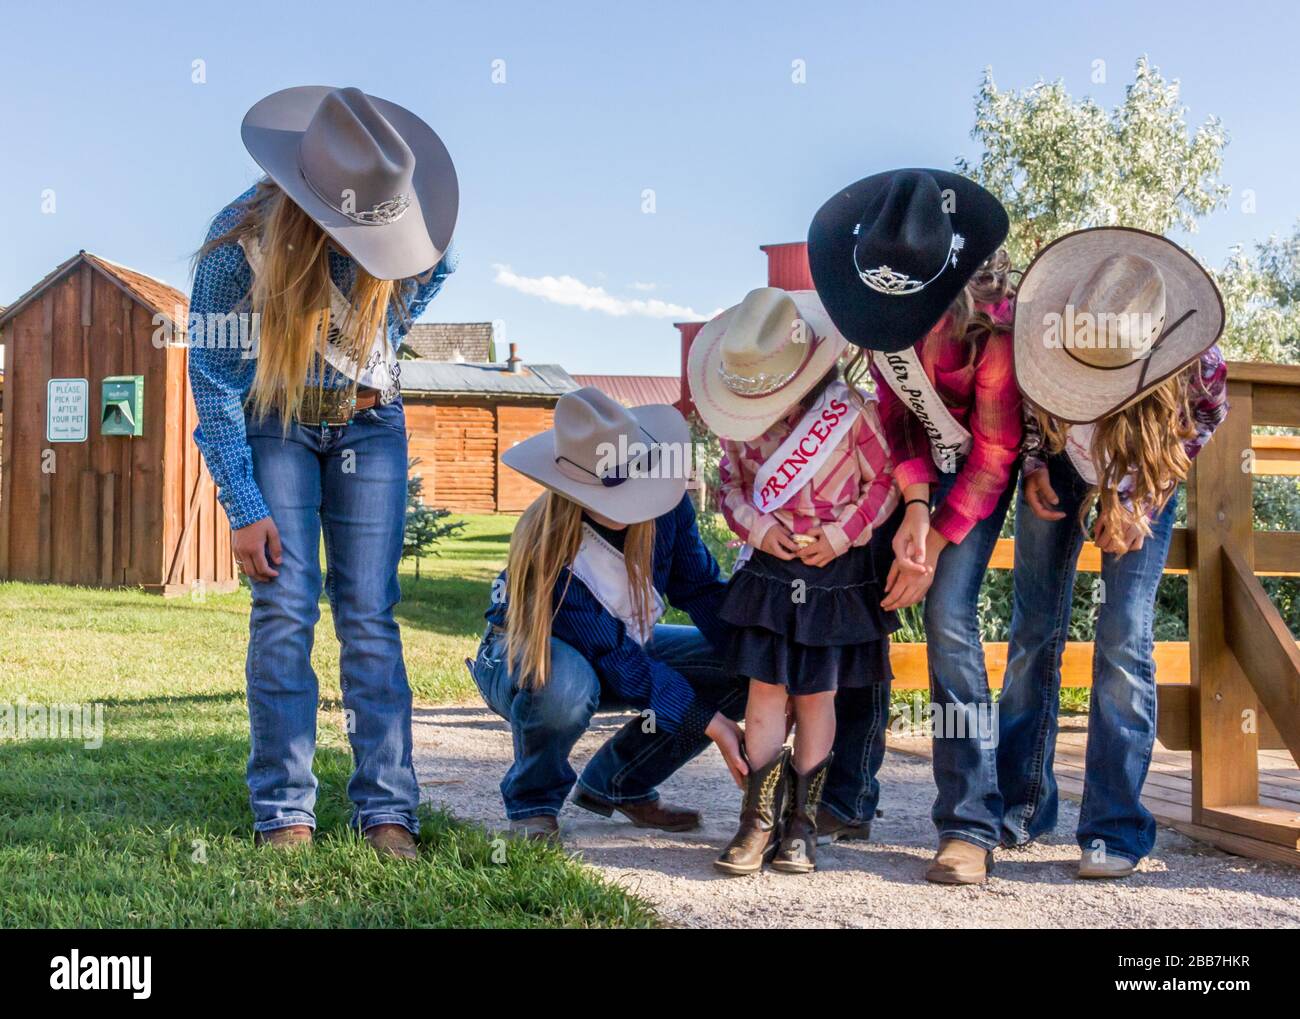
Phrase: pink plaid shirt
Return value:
(980, 390)
(848, 497)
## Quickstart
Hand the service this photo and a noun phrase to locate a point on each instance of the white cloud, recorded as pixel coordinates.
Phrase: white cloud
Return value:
(571, 291)
(644, 286)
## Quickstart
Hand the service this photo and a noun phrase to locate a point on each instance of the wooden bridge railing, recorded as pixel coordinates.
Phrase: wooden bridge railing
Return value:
(1234, 688)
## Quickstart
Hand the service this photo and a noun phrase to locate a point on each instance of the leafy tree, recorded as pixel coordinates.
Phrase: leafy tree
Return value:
(425, 526)
(1262, 294)
(1060, 164)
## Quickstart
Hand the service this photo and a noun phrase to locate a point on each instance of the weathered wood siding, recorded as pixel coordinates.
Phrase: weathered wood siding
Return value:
(459, 443)
(112, 510)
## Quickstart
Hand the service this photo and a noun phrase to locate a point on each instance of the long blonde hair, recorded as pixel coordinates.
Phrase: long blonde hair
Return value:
(1144, 440)
(544, 543)
(291, 293)
(968, 321)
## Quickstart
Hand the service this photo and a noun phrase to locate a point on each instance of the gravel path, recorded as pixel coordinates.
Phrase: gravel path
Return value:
(463, 750)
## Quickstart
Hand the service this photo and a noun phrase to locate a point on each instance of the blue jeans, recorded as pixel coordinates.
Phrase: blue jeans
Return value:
(349, 482)
(968, 805)
(1122, 715)
(546, 723)
(861, 714)
(852, 792)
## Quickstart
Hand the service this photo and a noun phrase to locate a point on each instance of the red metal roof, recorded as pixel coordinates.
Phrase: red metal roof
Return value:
(635, 390)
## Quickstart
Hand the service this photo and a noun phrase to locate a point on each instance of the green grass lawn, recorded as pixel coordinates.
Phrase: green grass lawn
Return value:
(153, 828)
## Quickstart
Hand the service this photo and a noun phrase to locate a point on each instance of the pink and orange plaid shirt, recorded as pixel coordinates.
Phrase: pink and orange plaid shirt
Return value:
(848, 497)
(979, 389)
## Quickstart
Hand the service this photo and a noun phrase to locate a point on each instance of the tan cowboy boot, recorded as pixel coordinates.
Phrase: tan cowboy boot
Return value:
(391, 840)
(538, 828)
(293, 836)
(959, 862)
(1103, 866)
(760, 818)
(798, 851)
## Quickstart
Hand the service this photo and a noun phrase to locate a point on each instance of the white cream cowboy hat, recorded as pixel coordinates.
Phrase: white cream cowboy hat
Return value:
(628, 464)
(1105, 315)
(373, 175)
(752, 363)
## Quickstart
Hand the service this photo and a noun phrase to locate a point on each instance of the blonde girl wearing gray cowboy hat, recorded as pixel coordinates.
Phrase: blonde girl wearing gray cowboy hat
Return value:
(320, 268)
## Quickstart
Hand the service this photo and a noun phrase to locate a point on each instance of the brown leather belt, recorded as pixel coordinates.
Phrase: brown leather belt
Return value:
(335, 406)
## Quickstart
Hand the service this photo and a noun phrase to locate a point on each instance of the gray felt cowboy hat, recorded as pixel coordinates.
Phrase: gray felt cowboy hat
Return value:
(1104, 316)
(372, 174)
(627, 464)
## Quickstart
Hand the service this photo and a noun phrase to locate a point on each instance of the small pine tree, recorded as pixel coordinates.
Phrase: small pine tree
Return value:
(425, 526)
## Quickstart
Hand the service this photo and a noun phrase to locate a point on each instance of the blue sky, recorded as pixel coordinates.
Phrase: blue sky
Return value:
(601, 101)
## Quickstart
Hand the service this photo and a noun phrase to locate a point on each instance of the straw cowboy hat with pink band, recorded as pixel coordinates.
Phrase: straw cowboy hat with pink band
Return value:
(752, 363)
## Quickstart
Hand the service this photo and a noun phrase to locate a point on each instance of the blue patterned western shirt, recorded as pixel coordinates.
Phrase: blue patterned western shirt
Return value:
(221, 372)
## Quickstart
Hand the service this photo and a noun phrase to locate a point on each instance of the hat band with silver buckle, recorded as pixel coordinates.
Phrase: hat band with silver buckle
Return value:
(380, 214)
(888, 281)
(764, 383)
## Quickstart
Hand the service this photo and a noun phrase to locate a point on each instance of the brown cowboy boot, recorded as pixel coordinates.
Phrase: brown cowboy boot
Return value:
(798, 851)
(831, 829)
(643, 814)
(760, 818)
(959, 862)
(292, 836)
(392, 840)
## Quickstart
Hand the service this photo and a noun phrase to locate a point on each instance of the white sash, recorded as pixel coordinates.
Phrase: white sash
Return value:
(903, 371)
(381, 370)
(601, 567)
(798, 459)
(1078, 446)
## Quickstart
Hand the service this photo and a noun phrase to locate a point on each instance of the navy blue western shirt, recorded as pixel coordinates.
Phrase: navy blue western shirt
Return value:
(687, 576)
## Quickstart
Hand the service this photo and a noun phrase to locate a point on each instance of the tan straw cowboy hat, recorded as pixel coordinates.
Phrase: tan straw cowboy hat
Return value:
(752, 363)
(373, 175)
(1103, 316)
(627, 464)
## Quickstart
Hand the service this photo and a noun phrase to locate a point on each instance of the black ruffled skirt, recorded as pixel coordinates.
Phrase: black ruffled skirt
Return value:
(810, 630)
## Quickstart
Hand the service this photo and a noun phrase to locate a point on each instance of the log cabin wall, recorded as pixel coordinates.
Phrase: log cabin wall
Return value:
(112, 510)
(459, 442)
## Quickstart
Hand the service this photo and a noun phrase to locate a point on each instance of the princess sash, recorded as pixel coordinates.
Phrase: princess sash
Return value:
(601, 567)
(949, 441)
(796, 462)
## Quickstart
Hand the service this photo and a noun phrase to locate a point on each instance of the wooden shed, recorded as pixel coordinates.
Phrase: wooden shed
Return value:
(102, 483)
(462, 417)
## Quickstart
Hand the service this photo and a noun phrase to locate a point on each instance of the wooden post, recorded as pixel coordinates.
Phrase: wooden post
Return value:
(1225, 762)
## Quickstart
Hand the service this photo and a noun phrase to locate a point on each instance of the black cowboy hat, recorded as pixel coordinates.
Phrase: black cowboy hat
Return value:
(890, 253)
